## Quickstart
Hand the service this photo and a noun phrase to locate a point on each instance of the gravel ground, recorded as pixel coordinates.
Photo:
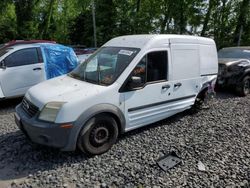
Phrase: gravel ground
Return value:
(218, 137)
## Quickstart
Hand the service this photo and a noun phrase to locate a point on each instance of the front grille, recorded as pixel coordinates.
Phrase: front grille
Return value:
(29, 108)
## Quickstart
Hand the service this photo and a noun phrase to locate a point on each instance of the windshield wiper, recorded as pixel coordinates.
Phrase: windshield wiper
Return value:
(73, 75)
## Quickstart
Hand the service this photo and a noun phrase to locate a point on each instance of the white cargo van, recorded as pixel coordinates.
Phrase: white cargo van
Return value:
(130, 82)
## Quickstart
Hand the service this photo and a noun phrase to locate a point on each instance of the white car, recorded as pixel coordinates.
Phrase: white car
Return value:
(25, 65)
(132, 81)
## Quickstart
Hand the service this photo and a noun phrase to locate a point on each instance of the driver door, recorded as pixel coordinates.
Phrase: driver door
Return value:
(145, 103)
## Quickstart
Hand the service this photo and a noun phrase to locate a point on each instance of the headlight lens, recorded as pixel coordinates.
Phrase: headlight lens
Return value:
(50, 111)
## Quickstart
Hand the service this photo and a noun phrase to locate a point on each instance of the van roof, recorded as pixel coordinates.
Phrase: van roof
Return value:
(139, 41)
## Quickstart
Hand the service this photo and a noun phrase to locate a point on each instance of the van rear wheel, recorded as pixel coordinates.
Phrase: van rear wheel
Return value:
(199, 101)
(98, 135)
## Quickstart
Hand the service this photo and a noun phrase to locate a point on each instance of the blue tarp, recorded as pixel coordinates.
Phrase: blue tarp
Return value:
(58, 59)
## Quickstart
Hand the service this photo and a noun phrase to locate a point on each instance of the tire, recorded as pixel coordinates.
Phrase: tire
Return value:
(98, 135)
(199, 102)
(244, 88)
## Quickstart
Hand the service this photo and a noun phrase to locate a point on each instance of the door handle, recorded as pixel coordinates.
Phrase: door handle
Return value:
(165, 87)
(178, 85)
(36, 69)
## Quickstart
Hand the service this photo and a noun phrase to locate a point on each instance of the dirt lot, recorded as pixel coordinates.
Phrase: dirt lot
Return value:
(219, 137)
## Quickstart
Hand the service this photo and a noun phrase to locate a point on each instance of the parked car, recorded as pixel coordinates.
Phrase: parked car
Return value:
(234, 69)
(130, 82)
(25, 65)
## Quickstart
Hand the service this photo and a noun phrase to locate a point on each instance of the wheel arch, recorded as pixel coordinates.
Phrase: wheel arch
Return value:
(80, 123)
(202, 92)
(246, 73)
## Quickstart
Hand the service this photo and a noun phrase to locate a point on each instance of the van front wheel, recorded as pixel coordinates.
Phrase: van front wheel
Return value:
(98, 135)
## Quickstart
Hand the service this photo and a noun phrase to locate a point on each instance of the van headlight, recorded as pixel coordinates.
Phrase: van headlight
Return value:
(50, 111)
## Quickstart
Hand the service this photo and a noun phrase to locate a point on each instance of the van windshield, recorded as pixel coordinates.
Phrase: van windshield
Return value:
(105, 65)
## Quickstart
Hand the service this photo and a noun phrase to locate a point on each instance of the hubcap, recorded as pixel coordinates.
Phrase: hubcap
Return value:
(99, 135)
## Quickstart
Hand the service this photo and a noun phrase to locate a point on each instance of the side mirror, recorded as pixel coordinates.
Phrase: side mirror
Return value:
(134, 82)
(2, 65)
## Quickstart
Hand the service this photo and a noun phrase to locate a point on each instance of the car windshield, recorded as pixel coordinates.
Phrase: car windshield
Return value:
(104, 66)
(234, 53)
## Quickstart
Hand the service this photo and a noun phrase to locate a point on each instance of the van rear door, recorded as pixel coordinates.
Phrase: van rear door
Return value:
(186, 72)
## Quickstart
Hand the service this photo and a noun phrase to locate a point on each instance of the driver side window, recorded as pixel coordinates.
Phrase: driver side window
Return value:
(152, 68)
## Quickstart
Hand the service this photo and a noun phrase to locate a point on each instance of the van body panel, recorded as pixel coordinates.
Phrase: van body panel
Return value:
(208, 59)
(156, 113)
(82, 96)
(130, 41)
(134, 99)
(63, 88)
(185, 58)
(186, 69)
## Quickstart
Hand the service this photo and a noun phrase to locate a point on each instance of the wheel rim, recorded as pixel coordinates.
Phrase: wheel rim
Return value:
(246, 86)
(99, 135)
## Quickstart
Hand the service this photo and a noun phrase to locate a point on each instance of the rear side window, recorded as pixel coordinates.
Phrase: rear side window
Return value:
(22, 57)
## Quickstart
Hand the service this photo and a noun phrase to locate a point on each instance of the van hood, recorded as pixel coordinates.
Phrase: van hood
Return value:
(60, 89)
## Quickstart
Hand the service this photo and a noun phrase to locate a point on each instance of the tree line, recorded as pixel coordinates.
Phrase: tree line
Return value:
(71, 21)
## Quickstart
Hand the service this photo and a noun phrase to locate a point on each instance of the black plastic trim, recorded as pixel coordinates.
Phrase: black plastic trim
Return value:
(159, 103)
(212, 74)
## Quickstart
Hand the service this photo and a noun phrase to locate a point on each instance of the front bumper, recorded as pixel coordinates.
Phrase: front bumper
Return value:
(44, 133)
